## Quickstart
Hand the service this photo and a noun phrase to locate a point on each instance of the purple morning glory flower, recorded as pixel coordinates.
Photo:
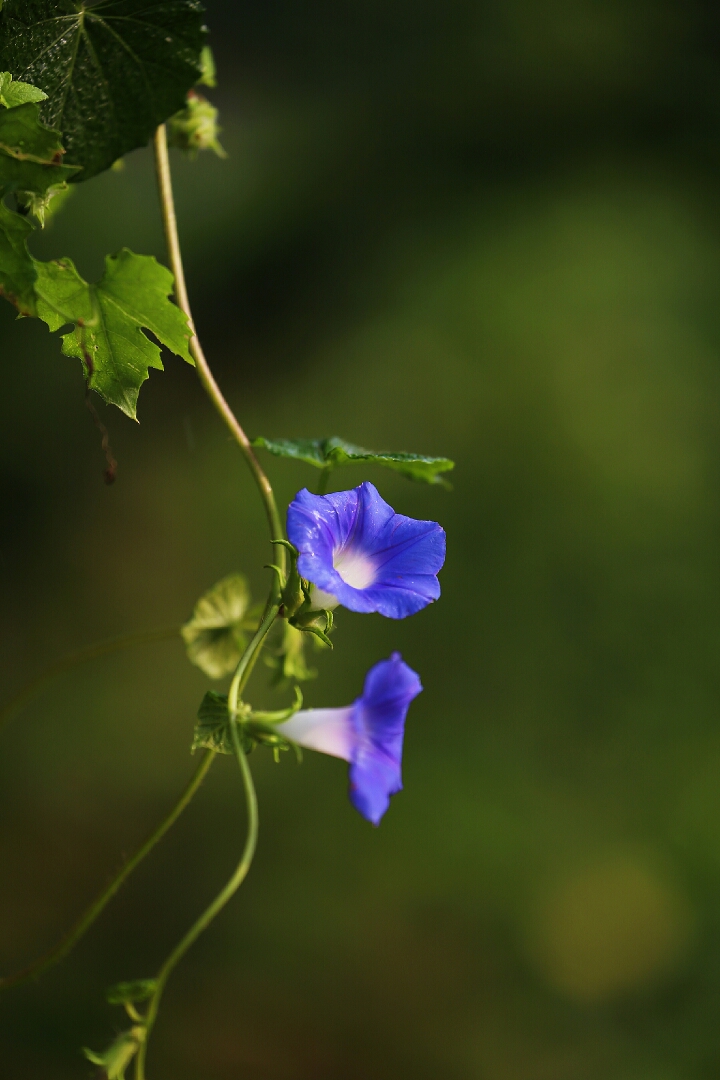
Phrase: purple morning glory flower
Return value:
(368, 734)
(353, 546)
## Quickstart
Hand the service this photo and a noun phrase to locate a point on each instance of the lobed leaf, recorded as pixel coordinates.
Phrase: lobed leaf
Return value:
(113, 70)
(109, 319)
(329, 453)
(214, 636)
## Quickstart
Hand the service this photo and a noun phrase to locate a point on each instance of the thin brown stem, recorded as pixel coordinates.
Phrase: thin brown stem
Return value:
(167, 203)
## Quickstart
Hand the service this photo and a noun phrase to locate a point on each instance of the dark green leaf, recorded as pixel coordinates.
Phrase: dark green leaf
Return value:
(14, 93)
(131, 993)
(212, 731)
(31, 155)
(109, 319)
(112, 69)
(17, 267)
(328, 453)
(213, 637)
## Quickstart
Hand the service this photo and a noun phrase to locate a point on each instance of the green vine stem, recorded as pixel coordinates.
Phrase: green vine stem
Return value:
(172, 239)
(70, 940)
(81, 656)
(247, 660)
(213, 909)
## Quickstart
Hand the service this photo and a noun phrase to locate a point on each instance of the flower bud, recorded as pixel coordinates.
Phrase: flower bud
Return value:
(195, 127)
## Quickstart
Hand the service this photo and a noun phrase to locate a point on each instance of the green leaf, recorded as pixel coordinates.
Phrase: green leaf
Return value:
(329, 453)
(31, 155)
(212, 731)
(131, 993)
(214, 636)
(14, 93)
(109, 319)
(113, 70)
(17, 267)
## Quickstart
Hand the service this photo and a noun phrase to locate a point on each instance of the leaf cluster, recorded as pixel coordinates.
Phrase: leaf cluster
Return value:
(111, 70)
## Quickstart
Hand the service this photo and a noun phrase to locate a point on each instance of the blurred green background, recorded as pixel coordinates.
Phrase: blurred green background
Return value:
(483, 229)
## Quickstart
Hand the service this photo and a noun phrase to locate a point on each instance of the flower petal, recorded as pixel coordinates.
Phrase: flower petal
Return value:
(368, 734)
(353, 545)
(379, 721)
(328, 730)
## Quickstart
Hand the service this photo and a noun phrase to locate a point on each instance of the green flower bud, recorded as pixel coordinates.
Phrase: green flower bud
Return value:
(195, 127)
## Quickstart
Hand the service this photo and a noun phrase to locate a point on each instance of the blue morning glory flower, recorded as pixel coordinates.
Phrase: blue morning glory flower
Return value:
(354, 547)
(368, 734)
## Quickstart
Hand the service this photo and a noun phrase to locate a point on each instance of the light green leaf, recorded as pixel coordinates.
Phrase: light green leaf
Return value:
(17, 267)
(329, 453)
(112, 70)
(31, 155)
(109, 318)
(44, 207)
(214, 636)
(14, 93)
(212, 731)
(131, 993)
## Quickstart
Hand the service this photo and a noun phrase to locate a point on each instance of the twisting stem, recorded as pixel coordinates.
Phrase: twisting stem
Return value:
(247, 661)
(167, 202)
(249, 657)
(70, 940)
(90, 652)
(214, 908)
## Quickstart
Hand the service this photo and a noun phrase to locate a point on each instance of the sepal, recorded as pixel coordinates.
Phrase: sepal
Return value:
(297, 605)
(310, 620)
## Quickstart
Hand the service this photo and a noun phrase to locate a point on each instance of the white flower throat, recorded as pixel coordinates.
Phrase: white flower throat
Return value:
(355, 568)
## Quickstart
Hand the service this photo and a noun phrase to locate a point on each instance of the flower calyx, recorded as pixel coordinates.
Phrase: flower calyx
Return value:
(213, 730)
(297, 605)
